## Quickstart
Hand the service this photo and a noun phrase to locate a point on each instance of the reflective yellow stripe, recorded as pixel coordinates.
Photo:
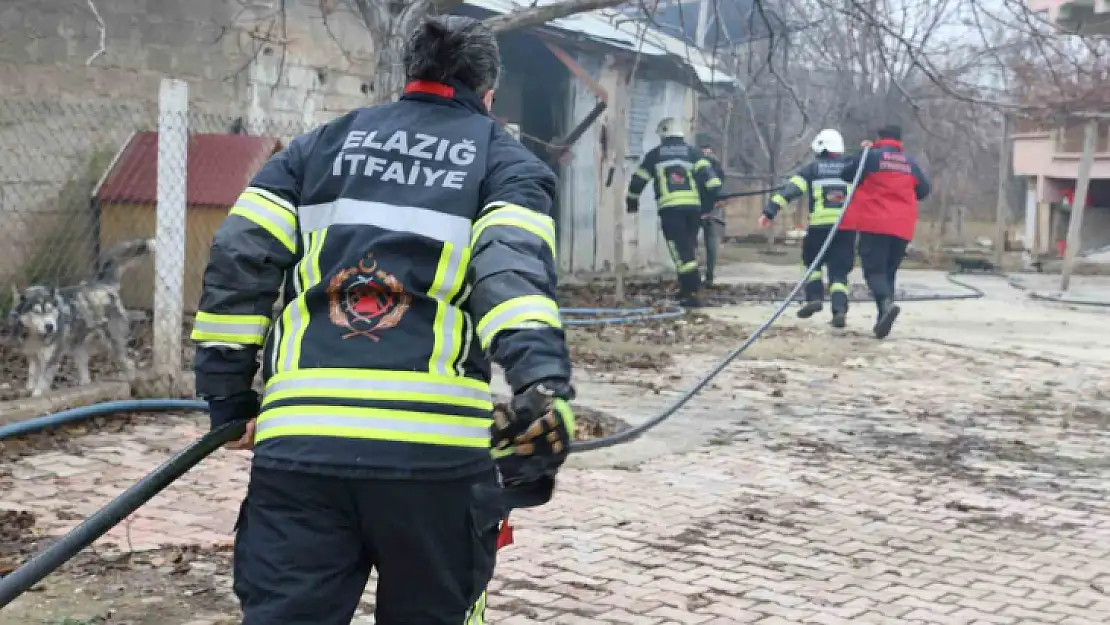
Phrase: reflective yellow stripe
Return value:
(824, 216)
(406, 386)
(643, 173)
(269, 215)
(516, 217)
(688, 267)
(241, 329)
(281, 202)
(528, 311)
(701, 164)
(294, 320)
(680, 198)
(450, 320)
(837, 287)
(374, 423)
(713, 183)
(799, 182)
(815, 276)
(477, 613)
(781, 201)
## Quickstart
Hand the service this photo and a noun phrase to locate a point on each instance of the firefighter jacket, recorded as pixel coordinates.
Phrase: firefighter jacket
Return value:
(683, 177)
(412, 243)
(890, 185)
(827, 191)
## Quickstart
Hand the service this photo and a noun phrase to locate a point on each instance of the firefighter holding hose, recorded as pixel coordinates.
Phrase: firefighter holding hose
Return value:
(415, 245)
(821, 179)
(685, 184)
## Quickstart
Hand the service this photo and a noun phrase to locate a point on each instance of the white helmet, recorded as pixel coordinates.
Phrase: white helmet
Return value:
(828, 140)
(669, 127)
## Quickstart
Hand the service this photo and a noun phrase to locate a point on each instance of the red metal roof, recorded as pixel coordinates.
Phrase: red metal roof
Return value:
(220, 166)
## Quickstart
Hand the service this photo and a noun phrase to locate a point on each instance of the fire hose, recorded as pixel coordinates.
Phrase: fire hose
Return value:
(101, 521)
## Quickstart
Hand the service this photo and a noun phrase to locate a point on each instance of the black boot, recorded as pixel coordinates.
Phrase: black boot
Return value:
(888, 312)
(839, 319)
(809, 309)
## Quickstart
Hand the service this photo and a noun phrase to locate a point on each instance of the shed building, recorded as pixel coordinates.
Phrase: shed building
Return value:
(219, 167)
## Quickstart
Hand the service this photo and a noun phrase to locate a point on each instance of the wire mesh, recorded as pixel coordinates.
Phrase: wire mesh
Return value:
(77, 180)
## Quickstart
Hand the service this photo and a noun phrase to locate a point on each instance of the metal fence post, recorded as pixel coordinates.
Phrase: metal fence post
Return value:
(169, 257)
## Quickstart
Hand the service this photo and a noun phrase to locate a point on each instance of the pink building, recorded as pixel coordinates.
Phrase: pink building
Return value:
(1049, 157)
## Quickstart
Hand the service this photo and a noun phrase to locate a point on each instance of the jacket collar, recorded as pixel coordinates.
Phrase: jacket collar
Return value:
(889, 143)
(449, 93)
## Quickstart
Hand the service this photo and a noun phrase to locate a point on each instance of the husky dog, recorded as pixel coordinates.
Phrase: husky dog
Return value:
(49, 323)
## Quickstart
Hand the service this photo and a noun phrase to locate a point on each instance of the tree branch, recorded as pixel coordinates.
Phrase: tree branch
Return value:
(103, 34)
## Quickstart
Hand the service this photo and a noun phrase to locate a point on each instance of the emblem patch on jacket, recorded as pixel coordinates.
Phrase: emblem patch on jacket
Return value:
(366, 300)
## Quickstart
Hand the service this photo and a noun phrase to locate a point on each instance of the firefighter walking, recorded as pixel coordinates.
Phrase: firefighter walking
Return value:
(884, 212)
(413, 244)
(712, 217)
(821, 179)
(685, 182)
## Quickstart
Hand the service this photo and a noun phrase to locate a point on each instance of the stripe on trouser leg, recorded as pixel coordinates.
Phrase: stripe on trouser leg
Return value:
(477, 613)
(818, 274)
(838, 287)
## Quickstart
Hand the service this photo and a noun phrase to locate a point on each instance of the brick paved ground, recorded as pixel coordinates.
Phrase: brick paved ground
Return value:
(837, 480)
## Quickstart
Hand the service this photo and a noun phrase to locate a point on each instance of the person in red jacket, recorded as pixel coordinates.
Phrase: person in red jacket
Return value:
(884, 212)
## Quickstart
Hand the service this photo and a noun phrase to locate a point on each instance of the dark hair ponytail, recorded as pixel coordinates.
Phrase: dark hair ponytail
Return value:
(445, 48)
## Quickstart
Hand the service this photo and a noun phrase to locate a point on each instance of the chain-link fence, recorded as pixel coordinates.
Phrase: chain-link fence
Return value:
(80, 184)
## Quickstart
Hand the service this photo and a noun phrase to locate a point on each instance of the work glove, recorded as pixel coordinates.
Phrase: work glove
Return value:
(238, 407)
(631, 205)
(530, 438)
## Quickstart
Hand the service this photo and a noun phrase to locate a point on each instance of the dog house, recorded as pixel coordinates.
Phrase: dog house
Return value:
(220, 167)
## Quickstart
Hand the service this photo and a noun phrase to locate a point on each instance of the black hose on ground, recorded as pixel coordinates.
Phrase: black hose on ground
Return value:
(98, 523)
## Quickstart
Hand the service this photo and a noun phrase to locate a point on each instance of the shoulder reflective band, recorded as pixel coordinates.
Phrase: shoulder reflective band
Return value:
(515, 216)
(267, 214)
(238, 329)
(401, 386)
(374, 423)
(529, 311)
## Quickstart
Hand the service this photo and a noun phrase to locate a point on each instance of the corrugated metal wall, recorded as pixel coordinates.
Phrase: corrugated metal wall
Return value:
(588, 241)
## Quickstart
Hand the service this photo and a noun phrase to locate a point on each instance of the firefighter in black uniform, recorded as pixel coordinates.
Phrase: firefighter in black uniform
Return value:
(685, 182)
(712, 217)
(413, 244)
(821, 179)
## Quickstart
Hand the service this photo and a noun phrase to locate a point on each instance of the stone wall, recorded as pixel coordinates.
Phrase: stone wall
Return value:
(247, 63)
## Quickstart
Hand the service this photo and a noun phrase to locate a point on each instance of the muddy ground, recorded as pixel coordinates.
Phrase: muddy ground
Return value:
(795, 369)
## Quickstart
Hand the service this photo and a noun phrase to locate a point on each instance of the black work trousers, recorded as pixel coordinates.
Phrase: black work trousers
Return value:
(835, 266)
(305, 545)
(881, 256)
(680, 228)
